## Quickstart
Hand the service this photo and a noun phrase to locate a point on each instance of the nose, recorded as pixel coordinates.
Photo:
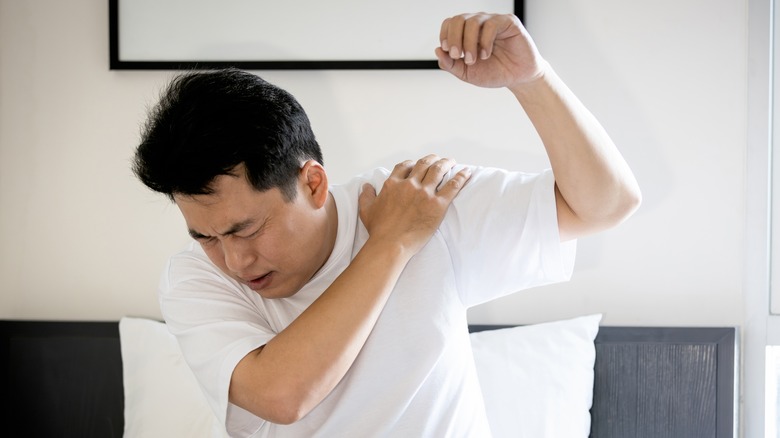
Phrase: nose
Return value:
(238, 255)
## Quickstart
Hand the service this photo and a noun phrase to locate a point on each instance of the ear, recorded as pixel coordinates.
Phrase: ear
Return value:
(314, 181)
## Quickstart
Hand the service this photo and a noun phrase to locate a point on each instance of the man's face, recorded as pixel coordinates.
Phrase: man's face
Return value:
(272, 245)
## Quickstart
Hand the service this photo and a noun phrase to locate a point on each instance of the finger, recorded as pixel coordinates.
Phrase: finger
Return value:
(402, 169)
(471, 38)
(421, 166)
(445, 46)
(366, 198)
(437, 171)
(487, 37)
(452, 187)
(455, 36)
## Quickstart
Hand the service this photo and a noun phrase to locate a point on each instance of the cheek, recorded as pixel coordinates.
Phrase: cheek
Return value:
(281, 248)
(297, 235)
(216, 255)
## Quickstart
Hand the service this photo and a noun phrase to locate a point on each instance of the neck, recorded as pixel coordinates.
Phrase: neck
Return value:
(331, 229)
(332, 222)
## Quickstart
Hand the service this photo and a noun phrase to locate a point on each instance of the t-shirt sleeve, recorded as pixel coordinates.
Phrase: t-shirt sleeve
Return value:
(502, 234)
(216, 324)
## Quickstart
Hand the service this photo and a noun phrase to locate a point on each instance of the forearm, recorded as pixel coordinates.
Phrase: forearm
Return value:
(303, 363)
(594, 181)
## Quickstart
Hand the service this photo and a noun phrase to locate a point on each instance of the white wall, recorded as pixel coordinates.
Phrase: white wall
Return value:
(80, 239)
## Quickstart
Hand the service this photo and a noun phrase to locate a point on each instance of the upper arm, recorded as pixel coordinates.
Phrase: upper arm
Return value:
(503, 227)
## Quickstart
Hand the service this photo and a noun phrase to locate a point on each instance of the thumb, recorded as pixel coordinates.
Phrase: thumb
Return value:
(446, 63)
(366, 199)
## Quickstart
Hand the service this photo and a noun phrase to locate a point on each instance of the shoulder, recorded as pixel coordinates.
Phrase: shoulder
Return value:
(192, 269)
(189, 260)
(375, 177)
(495, 183)
(346, 193)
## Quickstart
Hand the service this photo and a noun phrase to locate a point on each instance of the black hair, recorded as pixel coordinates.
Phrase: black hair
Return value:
(208, 123)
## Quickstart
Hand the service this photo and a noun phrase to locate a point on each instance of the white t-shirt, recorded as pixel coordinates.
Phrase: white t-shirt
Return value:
(415, 375)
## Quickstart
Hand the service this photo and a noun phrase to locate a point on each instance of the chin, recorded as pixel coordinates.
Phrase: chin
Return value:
(274, 293)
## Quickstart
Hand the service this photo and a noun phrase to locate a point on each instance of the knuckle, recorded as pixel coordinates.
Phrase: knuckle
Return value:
(403, 164)
(458, 19)
(473, 20)
(447, 161)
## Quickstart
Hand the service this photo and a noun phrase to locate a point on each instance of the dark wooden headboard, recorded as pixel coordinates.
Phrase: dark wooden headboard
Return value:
(691, 373)
(61, 379)
(64, 379)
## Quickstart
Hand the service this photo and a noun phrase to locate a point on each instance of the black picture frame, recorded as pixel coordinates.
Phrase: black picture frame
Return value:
(117, 63)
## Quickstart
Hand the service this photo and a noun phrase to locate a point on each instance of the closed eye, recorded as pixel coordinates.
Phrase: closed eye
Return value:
(205, 240)
(197, 236)
(257, 231)
(250, 235)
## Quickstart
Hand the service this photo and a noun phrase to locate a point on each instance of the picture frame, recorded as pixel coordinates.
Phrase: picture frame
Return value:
(258, 35)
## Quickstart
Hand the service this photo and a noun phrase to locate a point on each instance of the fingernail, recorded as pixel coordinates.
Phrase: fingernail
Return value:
(454, 53)
(445, 46)
(469, 58)
(483, 54)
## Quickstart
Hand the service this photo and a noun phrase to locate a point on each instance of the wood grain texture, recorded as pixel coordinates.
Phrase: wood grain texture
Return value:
(668, 384)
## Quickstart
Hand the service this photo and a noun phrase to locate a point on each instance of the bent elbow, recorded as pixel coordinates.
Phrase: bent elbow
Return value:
(287, 416)
(632, 200)
(622, 208)
(618, 204)
(276, 397)
(281, 406)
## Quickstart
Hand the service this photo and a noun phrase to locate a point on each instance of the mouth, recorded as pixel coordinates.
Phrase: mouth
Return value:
(261, 282)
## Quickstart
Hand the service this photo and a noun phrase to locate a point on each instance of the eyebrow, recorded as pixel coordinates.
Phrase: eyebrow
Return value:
(235, 228)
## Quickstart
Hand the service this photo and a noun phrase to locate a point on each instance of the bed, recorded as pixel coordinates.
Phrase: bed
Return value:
(67, 379)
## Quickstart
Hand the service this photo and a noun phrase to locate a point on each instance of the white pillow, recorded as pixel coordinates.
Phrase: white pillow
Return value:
(162, 397)
(537, 380)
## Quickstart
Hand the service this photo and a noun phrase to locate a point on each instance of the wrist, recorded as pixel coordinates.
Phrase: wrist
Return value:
(528, 87)
(387, 248)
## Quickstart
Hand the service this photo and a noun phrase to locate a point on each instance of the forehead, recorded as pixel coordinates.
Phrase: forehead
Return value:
(222, 188)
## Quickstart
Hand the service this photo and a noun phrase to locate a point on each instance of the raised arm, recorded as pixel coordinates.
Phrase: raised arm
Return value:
(283, 380)
(595, 188)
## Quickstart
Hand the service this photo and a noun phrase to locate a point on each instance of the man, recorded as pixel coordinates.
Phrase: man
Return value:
(310, 310)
